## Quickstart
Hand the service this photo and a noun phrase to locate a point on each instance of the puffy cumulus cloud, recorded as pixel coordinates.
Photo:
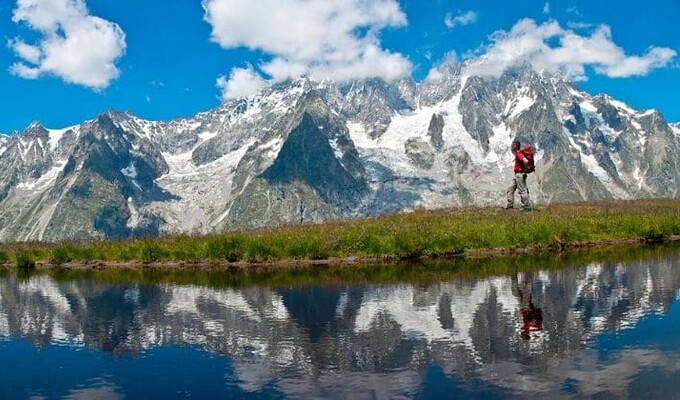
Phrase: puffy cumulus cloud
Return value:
(463, 18)
(330, 39)
(241, 82)
(656, 57)
(435, 74)
(550, 47)
(26, 51)
(77, 47)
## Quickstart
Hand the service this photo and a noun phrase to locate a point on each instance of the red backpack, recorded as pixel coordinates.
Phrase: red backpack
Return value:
(528, 152)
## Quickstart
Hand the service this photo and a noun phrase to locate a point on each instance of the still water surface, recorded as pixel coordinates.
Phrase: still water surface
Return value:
(595, 329)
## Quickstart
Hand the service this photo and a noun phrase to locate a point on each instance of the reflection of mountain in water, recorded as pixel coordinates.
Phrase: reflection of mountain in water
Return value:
(354, 339)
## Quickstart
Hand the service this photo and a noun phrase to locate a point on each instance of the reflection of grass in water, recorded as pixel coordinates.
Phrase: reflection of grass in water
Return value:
(406, 236)
(463, 268)
(25, 265)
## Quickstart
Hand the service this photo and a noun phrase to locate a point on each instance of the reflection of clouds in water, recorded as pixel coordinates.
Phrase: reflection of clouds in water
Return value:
(100, 389)
(585, 377)
(4, 323)
(253, 376)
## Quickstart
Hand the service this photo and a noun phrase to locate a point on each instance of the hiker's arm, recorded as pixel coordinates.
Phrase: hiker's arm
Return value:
(523, 160)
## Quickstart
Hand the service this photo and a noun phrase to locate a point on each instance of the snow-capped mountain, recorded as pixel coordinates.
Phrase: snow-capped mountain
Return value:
(306, 151)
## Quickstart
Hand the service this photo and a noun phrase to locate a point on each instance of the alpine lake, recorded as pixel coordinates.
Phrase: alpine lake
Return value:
(599, 323)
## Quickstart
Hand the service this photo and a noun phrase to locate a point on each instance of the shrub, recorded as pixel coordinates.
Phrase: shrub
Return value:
(24, 261)
(152, 252)
(60, 255)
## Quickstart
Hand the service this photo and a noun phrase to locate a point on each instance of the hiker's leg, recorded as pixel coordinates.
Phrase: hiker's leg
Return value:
(511, 194)
(521, 180)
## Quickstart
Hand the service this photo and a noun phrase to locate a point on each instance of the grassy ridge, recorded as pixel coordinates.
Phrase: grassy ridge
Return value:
(408, 235)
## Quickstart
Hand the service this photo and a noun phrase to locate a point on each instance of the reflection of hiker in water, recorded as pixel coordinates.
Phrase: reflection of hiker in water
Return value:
(532, 317)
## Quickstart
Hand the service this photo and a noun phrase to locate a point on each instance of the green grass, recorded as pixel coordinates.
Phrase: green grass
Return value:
(429, 234)
(24, 261)
(409, 271)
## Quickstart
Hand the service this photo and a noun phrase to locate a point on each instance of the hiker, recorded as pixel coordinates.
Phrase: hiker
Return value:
(523, 166)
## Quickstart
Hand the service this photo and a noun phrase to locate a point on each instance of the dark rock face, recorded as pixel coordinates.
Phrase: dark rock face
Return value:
(435, 131)
(372, 102)
(307, 156)
(479, 106)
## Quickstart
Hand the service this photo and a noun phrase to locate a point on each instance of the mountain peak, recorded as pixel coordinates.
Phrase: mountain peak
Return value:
(306, 151)
(35, 125)
(116, 115)
(36, 128)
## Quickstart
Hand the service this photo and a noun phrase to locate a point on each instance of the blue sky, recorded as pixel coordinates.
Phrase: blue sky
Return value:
(65, 61)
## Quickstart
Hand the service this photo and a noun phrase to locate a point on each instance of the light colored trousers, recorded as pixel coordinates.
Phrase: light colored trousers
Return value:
(519, 183)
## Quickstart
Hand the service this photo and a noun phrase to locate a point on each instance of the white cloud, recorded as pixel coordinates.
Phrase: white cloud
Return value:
(579, 25)
(241, 82)
(73, 45)
(25, 51)
(546, 8)
(462, 19)
(575, 11)
(550, 47)
(335, 39)
(435, 74)
(656, 57)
